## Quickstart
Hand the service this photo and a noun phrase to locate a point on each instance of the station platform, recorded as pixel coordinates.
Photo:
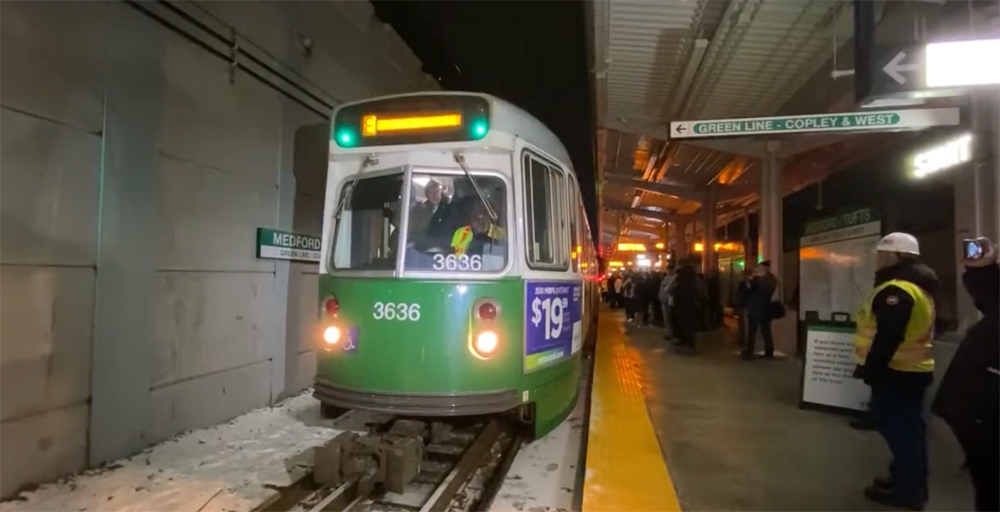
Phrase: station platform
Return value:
(731, 435)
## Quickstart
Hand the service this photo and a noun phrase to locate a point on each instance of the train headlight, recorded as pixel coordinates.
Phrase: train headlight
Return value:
(331, 335)
(486, 343)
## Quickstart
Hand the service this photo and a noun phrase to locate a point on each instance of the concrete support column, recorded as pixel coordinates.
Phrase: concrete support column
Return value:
(991, 133)
(975, 215)
(708, 221)
(751, 252)
(680, 239)
(977, 197)
(770, 210)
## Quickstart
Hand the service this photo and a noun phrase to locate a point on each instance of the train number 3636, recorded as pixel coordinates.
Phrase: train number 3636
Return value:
(461, 263)
(401, 311)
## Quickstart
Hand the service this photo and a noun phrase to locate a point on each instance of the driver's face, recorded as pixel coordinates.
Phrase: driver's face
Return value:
(479, 223)
(434, 193)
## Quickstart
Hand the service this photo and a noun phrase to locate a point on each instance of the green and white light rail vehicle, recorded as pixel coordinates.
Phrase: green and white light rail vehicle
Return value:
(458, 276)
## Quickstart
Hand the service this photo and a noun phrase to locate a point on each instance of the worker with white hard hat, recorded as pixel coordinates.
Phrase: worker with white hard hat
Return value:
(895, 329)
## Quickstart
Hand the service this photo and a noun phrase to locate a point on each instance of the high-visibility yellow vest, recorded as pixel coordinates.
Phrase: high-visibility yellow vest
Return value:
(914, 353)
(462, 237)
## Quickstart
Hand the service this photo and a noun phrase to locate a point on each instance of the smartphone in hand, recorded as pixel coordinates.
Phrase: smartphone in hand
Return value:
(973, 249)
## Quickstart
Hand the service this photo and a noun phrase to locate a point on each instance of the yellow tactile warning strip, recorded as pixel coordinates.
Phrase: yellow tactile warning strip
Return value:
(625, 467)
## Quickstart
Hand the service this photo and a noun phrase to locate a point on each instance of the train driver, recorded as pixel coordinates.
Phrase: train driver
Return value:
(479, 233)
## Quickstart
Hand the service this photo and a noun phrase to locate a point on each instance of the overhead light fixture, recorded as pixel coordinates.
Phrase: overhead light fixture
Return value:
(893, 102)
(962, 63)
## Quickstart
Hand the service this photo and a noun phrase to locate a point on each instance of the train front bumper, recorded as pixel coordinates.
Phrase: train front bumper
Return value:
(417, 404)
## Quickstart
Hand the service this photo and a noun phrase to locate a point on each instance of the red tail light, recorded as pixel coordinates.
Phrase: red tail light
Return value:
(332, 306)
(487, 311)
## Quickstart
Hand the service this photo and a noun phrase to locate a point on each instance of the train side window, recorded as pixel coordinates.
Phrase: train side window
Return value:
(574, 230)
(544, 191)
(583, 234)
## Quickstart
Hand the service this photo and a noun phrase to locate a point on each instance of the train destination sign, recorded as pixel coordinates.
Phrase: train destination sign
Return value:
(871, 121)
(283, 245)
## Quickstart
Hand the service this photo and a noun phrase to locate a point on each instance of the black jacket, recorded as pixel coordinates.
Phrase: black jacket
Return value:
(892, 308)
(743, 290)
(968, 398)
(759, 301)
(686, 290)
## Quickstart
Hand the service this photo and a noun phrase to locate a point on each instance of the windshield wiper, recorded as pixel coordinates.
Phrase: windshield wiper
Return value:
(368, 160)
(460, 158)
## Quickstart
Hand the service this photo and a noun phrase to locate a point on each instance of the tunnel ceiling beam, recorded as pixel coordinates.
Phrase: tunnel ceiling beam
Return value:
(686, 193)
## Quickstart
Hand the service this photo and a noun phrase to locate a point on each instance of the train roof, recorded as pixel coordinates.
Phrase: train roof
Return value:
(505, 117)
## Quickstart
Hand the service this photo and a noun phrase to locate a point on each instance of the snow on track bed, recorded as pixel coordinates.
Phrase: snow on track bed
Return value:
(461, 470)
(230, 467)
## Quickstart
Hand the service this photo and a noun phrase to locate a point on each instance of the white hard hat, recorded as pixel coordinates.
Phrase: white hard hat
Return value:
(899, 242)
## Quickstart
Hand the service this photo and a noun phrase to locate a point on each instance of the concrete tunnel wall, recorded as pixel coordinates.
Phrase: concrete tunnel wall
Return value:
(133, 178)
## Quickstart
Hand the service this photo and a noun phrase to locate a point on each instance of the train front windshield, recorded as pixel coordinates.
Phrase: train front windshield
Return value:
(450, 228)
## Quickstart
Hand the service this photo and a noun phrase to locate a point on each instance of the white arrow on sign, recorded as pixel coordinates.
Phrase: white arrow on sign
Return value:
(895, 70)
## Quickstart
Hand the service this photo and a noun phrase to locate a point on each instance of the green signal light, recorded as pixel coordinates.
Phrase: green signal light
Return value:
(479, 129)
(346, 138)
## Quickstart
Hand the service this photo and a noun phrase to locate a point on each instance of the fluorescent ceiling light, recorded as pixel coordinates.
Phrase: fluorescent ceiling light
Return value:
(963, 63)
(893, 102)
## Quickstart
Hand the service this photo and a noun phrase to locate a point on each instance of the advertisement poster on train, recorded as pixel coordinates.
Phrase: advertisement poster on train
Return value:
(552, 329)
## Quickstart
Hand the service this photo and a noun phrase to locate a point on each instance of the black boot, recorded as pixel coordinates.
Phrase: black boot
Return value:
(882, 483)
(895, 499)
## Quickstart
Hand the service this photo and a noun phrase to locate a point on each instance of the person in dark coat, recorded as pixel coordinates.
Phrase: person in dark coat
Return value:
(742, 299)
(685, 308)
(762, 288)
(968, 399)
(646, 295)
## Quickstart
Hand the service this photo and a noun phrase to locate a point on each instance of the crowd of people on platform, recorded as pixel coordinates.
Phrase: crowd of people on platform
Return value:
(684, 301)
(895, 330)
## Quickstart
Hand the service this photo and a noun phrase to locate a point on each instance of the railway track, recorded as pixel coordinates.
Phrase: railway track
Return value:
(460, 469)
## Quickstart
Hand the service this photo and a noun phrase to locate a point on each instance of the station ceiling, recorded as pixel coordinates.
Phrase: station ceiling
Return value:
(671, 60)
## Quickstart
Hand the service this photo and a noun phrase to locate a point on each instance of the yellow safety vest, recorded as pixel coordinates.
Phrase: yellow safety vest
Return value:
(914, 353)
(463, 237)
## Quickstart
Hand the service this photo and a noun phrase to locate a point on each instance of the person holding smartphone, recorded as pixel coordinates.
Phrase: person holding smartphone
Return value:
(968, 399)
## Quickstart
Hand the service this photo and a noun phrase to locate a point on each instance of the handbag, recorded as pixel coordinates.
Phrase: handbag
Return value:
(777, 310)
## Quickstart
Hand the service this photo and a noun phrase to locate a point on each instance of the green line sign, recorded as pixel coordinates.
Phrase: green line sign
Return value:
(283, 245)
(872, 121)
